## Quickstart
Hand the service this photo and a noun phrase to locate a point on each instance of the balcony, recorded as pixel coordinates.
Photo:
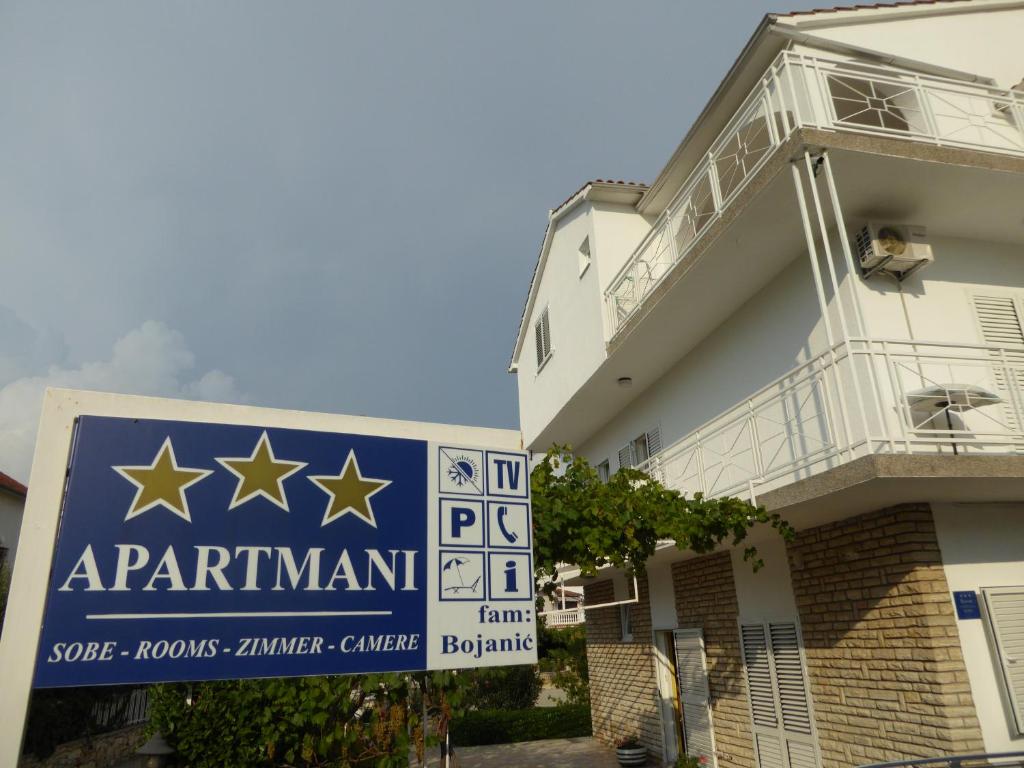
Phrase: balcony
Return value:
(864, 396)
(800, 91)
(568, 617)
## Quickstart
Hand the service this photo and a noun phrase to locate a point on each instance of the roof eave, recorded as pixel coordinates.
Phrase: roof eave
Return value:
(841, 16)
(593, 191)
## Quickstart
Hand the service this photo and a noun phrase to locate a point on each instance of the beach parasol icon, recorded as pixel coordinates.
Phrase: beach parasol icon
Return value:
(456, 563)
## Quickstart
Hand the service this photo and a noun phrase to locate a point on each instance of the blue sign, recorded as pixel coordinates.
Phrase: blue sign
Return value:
(967, 605)
(191, 551)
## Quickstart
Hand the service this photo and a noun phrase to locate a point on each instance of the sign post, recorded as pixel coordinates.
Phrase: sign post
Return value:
(169, 541)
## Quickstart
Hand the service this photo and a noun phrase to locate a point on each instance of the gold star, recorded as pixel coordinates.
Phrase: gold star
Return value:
(349, 492)
(261, 474)
(162, 483)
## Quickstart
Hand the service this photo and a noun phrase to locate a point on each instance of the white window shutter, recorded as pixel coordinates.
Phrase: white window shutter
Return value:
(538, 334)
(694, 696)
(793, 695)
(999, 320)
(546, 324)
(654, 442)
(768, 747)
(626, 456)
(759, 676)
(780, 705)
(1004, 607)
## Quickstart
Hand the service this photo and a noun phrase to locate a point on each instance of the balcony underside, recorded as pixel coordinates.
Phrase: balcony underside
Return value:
(876, 482)
(760, 234)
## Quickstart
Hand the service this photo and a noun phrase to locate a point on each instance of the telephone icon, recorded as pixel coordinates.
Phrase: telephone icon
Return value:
(511, 537)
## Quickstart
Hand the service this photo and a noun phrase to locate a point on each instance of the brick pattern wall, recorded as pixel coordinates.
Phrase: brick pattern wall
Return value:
(883, 654)
(623, 687)
(706, 599)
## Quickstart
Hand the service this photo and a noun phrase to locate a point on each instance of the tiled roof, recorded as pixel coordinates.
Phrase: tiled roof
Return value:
(868, 7)
(636, 184)
(8, 483)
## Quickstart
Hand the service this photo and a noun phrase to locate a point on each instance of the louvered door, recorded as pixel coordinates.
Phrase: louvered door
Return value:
(694, 697)
(780, 704)
(999, 318)
(1005, 609)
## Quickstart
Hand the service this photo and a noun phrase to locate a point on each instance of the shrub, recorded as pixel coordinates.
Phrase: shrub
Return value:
(502, 687)
(564, 654)
(504, 726)
(355, 721)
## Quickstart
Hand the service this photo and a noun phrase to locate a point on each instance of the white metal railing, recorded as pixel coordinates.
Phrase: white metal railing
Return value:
(820, 92)
(564, 618)
(863, 396)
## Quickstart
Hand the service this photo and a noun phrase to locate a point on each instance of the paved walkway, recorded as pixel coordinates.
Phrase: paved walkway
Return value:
(583, 752)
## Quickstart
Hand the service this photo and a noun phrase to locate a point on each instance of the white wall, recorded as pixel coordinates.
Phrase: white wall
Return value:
(575, 307)
(663, 597)
(766, 595)
(984, 43)
(775, 331)
(575, 312)
(938, 298)
(11, 507)
(781, 328)
(983, 546)
(618, 230)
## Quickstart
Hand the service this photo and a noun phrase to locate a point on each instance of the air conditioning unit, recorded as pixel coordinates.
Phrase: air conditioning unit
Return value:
(896, 249)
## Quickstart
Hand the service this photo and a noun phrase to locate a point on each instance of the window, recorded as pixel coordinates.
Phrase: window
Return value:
(604, 471)
(780, 702)
(626, 621)
(641, 448)
(1004, 609)
(584, 255)
(542, 334)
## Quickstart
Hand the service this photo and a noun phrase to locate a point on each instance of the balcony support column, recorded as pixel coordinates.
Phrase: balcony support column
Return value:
(847, 441)
(851, 269)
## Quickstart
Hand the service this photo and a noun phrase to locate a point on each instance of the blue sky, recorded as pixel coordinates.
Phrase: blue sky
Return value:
(327, 206)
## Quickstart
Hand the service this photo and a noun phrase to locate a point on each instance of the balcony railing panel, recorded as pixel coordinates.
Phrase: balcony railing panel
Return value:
(565, 618)
(909, 397)
(820, 92)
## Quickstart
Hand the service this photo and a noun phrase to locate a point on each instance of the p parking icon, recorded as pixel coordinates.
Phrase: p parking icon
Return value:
(462, 523)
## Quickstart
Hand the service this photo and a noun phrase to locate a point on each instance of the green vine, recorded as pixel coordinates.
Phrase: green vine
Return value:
(580, 519)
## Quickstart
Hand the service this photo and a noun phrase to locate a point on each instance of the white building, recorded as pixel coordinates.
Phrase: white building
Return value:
(818, 305)
(12, 505)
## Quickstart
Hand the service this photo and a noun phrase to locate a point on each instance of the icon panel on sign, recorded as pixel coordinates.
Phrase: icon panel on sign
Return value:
(462, 522)
(508, 525)
(461, 471)
(509, 576)
(462, 576)
(507, 475)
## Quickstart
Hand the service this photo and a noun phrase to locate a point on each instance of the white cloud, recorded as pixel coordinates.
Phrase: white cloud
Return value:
(152, 359)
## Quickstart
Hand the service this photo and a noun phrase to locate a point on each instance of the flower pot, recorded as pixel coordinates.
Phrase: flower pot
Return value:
(631, 755)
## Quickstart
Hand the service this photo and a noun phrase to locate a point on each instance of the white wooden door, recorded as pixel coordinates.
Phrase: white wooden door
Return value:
(1004, 607)
(694, 695)
(780, 703)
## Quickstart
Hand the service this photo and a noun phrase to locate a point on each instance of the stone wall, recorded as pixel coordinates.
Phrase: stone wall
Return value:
(887, 674)
(108, 749)
(706, 599)
(623, 687)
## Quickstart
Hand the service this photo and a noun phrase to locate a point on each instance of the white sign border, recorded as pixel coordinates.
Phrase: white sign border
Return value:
(26, 602)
